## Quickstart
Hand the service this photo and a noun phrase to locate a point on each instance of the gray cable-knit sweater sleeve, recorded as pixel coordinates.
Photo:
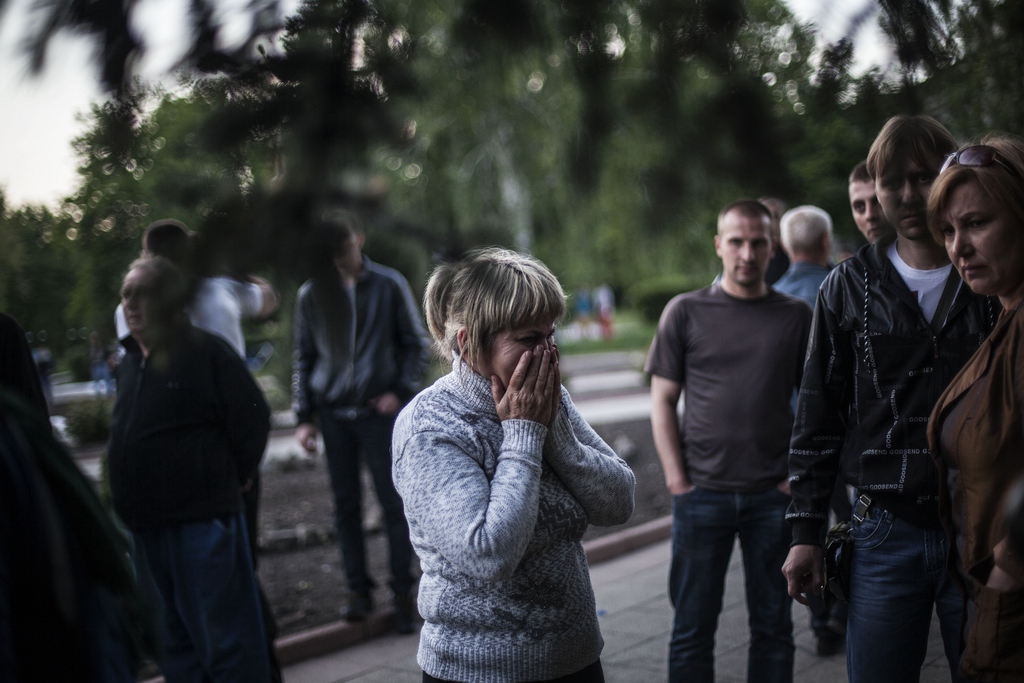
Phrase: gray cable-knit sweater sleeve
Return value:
(480, 526)
(600, 480)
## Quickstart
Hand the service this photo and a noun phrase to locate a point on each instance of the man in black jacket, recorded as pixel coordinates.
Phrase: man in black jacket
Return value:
(891, 328)
(188, 430)
(360, 355)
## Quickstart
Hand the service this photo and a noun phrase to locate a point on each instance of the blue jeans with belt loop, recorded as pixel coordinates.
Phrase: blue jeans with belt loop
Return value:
(897, 577)
(704, 530)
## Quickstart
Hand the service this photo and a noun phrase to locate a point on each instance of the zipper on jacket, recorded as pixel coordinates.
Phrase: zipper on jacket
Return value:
(353, 334)
(935, 343)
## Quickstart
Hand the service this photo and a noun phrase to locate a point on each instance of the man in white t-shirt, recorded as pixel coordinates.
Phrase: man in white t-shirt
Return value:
(220, 303)
(892, 326)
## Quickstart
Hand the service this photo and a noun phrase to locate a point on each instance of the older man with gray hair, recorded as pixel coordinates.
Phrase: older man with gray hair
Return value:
(807, 238)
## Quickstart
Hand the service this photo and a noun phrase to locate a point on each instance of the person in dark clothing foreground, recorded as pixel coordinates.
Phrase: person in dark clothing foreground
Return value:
(69, 606)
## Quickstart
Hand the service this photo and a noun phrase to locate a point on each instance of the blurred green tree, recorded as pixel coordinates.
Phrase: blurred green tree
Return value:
(601, 135)
(37, 274)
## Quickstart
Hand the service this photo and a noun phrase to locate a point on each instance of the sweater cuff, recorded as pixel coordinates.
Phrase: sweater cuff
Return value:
(524, 436)
(807, 532)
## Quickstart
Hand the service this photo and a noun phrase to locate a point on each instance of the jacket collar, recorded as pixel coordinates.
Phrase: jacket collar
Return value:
(171, 340)
(875, 258)
(801, 267)
(878, 259)
(367, 267)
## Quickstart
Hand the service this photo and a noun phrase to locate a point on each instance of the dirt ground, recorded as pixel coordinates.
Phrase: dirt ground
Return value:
(300, 565)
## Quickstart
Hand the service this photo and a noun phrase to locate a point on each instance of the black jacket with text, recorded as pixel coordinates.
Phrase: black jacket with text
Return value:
(189, 428)
(874, 370)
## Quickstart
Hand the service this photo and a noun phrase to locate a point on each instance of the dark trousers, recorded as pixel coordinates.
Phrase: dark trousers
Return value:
(251, 499)
(201, 575)
(836, 612)
(345, 440)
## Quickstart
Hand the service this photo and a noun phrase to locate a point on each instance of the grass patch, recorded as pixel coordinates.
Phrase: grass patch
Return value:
(632, 333)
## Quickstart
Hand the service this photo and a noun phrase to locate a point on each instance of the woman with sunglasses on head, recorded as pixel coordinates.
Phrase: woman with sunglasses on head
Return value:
(500, 477)
(976, 209)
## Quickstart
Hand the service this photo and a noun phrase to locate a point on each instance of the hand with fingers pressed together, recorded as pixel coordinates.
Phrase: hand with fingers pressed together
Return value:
(522, 364)
(531, 391)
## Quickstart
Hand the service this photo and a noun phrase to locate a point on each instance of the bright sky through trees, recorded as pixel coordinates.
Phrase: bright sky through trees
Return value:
(38, 119)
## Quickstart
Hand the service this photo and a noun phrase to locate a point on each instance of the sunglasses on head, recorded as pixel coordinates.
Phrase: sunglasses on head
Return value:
(979, 155)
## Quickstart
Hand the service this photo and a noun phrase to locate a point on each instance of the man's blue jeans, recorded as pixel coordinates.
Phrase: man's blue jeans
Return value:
(212, 627)
(704, 530)
(897, 576)
(344, 441)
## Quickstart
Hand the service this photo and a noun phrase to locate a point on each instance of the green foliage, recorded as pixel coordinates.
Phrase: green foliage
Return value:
(140, 161)
(632, 333)
(88, 421)
(975, 81)
(76, 360)
(276, 396)
(603, 137)
(37, 274)
(608, 153)
(650, 297)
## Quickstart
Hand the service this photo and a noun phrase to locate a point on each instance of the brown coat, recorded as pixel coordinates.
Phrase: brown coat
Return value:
(979, 420)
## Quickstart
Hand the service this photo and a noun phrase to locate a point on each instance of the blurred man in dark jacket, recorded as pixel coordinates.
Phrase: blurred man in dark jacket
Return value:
(360, 355)
(188, 430)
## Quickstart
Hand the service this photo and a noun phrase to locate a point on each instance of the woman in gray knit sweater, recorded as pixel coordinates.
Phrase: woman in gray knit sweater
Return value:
(500, 477)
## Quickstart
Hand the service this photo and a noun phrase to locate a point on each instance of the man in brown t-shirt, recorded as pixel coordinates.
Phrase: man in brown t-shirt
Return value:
(738, 349)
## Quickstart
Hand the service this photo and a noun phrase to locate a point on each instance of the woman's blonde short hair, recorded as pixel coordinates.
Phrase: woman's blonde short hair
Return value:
(488, 291)
(996, 181)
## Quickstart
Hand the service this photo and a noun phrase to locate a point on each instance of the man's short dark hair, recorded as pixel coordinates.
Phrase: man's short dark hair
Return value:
(748, 208)
(921, 139)
(776, 207)
(860, 174)
(337, 226)
(168, 238)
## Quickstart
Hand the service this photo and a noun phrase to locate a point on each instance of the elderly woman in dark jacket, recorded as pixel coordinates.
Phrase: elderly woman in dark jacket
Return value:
(976, 209)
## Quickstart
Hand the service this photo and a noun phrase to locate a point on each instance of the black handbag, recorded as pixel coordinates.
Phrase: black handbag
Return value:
(838, 551)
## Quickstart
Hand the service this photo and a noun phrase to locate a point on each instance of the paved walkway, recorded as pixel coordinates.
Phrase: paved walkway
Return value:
(635, 619)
